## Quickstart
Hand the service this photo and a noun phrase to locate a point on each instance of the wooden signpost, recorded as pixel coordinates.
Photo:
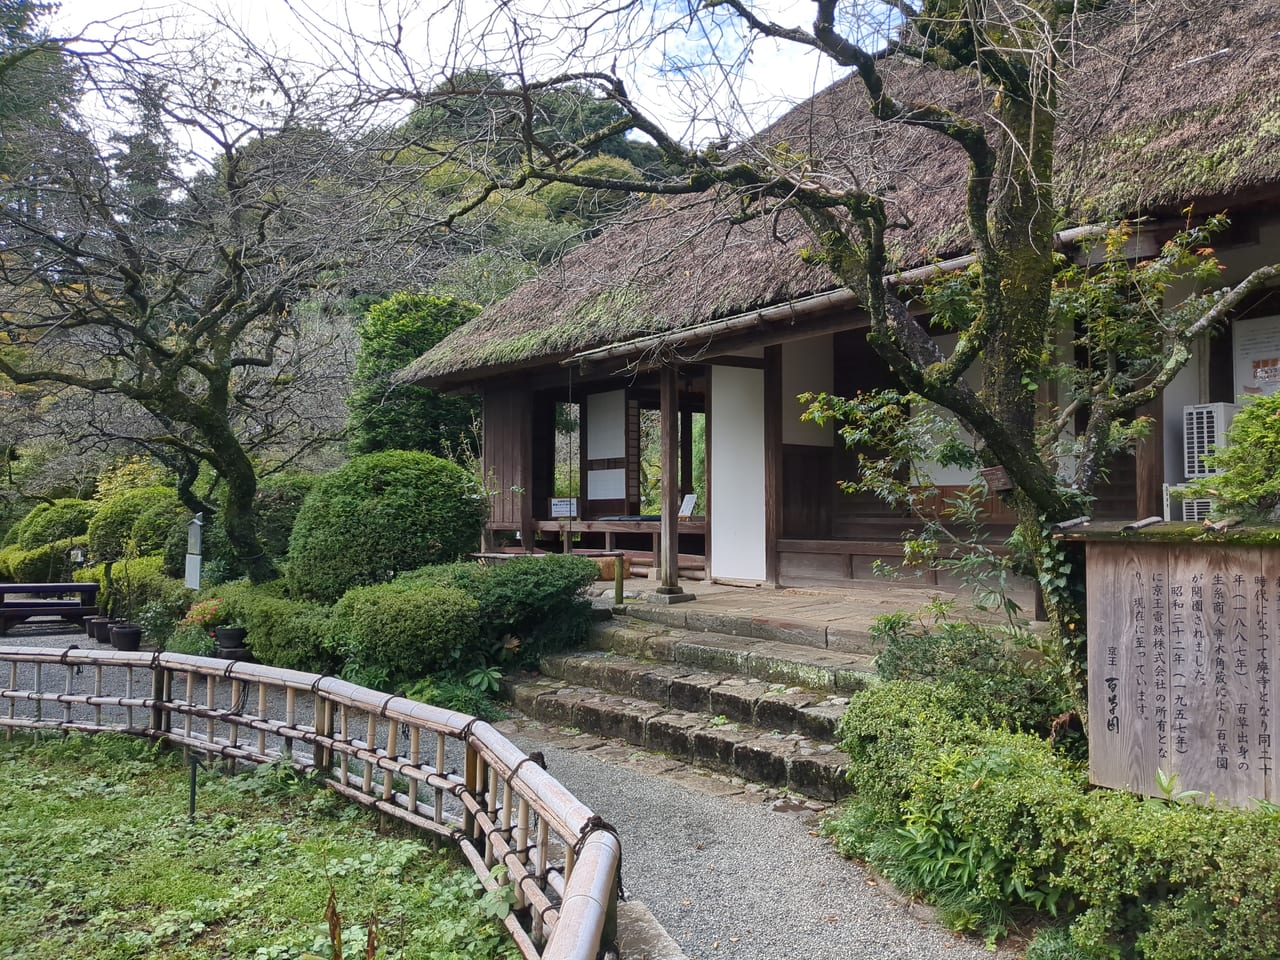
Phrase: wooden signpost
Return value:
(1182, 661)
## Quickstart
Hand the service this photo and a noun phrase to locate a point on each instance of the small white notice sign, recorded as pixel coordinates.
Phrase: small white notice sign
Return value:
(564, 507)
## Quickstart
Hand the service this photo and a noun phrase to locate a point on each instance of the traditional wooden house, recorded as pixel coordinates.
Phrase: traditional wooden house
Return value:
(718, 325)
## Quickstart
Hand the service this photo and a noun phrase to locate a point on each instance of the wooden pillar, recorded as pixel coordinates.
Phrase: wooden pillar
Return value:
(1149, 456)
(686, 452)
(669, 399)
(772, 460)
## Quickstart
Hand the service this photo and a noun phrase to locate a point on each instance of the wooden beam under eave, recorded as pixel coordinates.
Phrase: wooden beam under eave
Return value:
(669, 399)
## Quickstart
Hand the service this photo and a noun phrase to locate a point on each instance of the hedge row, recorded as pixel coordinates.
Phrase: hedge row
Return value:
(448, 618)
(988, 823)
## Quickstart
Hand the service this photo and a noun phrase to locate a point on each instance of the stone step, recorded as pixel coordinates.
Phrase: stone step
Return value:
(814, 634)
(769, 706)
(771, 661)
(792, 760)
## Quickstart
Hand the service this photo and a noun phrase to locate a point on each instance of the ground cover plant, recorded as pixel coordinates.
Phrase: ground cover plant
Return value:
(98, 860)
(997, 827)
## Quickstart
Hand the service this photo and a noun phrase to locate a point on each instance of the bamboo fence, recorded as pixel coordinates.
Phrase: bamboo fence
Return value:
(440, 771)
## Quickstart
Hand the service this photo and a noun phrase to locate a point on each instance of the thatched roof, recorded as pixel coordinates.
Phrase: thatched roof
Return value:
(1190, 113)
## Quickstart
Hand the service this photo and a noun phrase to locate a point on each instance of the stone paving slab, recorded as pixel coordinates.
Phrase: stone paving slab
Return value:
(794, 760)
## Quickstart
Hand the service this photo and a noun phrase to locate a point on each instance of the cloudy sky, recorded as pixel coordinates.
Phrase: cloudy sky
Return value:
(672, 78)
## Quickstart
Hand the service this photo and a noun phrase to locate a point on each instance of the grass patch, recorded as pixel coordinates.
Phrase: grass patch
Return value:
(98, 860)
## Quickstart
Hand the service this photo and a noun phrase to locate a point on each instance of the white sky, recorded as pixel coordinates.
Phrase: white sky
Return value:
(776, 75)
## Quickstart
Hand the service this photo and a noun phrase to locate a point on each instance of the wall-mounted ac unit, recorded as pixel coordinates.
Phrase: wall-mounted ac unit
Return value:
(1189, 509)
(1204, 426)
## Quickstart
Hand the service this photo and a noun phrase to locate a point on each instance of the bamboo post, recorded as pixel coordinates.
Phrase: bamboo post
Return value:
(344, 762)
(68, 689)
(471, 779)
(157, 697)
(39, 688)
(370, 742)
(324, 733)
(290, 713)
(97, 694)
(262, 715)
(189, 719)
(440, 744)
(210, 701)
(619, 560)
(415, 758)
(13, 704)
(233, 728)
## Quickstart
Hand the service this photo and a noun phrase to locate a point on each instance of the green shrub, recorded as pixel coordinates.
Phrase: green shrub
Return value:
(998, 683)
(50, 522)
(281, 632)
(451, 694)
(7, 555)
(990, 823)
(528, 605)
(1248, 477)
(112, 526)
(133, 584)
(151, 531)
(404, 631)
(379, 515)
(189, 639)
(50, 563)
(276, 506)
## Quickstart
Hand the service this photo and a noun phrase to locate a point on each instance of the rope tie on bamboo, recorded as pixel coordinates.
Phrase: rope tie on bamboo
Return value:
(536, 758)
(155, 660)
(226, 671)
(66, 653)
(597, 824)
(315, 684)
(382, 710)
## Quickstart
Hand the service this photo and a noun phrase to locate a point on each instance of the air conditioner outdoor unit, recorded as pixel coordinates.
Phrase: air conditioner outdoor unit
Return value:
(1204, 426)
(1189, 509)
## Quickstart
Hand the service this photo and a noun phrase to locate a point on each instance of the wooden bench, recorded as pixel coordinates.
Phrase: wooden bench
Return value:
(21, 601)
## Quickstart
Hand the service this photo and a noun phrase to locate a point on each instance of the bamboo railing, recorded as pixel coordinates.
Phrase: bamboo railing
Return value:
(439, 771)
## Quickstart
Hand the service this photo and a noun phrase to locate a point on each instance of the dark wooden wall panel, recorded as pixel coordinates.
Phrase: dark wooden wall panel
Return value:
(808, 491)
(506, 453)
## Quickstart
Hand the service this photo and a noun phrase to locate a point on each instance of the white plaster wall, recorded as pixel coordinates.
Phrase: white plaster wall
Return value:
(1191, 383)
(607, 425)
(946, 476)
(737, 473)
(807, 367)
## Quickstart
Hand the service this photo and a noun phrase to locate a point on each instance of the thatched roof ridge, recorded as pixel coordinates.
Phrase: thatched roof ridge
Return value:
(1193, 115)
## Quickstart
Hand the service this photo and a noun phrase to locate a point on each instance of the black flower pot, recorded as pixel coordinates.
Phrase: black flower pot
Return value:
(230, 638)
(126, 636)
(91, 628)
(102, 629)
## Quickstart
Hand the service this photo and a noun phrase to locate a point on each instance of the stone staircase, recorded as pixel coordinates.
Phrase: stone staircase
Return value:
(752, 697)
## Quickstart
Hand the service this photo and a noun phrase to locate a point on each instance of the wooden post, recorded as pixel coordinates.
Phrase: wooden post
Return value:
(772, 460)
(669, 397)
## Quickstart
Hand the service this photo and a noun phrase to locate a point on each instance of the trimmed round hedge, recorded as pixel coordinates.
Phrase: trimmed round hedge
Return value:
(112, 526)
(50, 522)
(403, 631)
(378, 515)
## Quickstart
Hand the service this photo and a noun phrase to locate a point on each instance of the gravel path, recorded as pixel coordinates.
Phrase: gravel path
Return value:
(729, 870)
(731, 873)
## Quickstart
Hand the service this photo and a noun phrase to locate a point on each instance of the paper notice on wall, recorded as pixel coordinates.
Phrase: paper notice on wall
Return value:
(1256, 345)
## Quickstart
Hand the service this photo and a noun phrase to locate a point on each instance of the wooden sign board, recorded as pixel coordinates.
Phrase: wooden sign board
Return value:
(1182, 657)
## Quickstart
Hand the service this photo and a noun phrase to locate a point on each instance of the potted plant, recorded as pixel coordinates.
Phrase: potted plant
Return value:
(125, 634)
(214, 618)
